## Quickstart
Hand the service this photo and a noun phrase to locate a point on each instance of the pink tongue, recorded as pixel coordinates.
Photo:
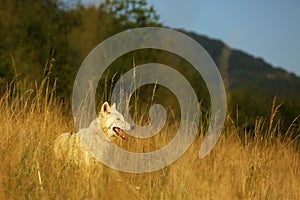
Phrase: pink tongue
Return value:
(126, 137)
(122, 134)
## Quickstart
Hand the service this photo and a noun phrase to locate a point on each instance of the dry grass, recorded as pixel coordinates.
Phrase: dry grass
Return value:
(261, 167)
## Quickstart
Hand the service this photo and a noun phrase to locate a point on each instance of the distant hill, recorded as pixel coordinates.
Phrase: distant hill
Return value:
(252, 84)
(246, 71)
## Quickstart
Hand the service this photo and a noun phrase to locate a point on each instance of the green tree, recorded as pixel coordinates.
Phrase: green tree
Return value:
(133, 13)
(28, 29)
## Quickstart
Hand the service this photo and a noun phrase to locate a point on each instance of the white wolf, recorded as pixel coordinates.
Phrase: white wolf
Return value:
(88, 144)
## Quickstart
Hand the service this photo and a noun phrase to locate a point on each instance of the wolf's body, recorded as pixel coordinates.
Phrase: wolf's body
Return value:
(90, 144)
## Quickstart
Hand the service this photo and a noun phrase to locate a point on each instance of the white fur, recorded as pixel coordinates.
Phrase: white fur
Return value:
(88, 144)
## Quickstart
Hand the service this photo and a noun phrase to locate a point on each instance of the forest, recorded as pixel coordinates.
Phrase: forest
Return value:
(42, 37)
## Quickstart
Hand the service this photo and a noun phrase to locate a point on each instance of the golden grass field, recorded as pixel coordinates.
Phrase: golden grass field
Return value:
(258, 167)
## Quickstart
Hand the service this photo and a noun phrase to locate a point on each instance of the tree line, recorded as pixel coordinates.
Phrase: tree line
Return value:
(52, 37)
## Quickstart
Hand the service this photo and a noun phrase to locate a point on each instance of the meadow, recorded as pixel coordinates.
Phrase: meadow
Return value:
(263, 163)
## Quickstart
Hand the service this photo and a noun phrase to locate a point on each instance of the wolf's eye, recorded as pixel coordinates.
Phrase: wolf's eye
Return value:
(118, 118)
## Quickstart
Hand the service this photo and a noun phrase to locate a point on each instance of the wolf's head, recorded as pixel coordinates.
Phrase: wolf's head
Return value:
(113, 123)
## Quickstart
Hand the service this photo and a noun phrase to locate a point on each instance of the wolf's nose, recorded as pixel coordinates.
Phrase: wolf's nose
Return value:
(132, 127)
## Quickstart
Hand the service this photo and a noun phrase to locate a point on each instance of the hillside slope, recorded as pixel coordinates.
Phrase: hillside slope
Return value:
(245, 70)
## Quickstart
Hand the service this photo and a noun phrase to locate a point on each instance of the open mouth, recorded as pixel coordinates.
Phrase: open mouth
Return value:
(120, 133)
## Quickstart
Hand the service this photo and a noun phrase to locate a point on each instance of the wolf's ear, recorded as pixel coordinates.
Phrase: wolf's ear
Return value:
(113, 107)
(105, 108)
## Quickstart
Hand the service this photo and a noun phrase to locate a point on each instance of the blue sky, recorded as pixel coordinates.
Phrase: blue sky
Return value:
(267, 28)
